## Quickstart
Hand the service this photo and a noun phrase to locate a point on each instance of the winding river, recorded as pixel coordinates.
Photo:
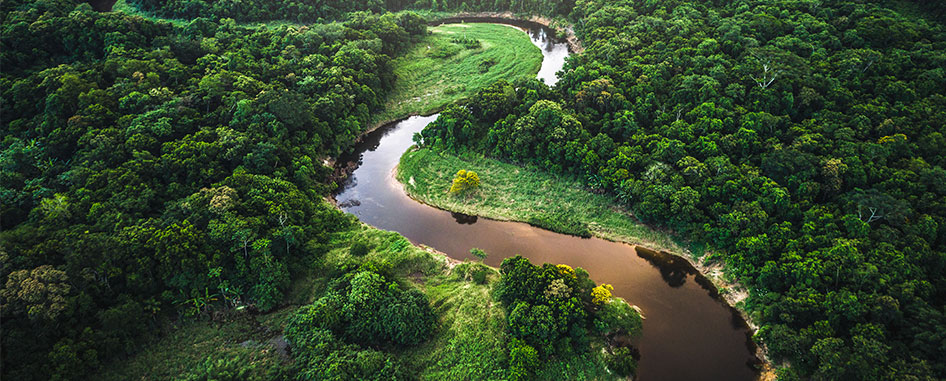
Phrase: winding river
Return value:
(689, 334)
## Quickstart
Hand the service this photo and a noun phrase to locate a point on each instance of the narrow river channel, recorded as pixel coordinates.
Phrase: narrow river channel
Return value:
(689, 334)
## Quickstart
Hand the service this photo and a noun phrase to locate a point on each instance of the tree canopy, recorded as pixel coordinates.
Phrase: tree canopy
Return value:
(803, 141)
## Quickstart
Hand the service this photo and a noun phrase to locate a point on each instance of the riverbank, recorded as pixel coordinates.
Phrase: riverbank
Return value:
(513, 193)
(455, 61)
(562, 30)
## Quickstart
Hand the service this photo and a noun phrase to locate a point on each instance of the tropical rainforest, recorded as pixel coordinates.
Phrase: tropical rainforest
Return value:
(158, 177)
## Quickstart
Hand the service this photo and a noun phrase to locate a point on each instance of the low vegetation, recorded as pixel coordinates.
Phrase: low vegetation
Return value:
(559, 203)
(455, 61)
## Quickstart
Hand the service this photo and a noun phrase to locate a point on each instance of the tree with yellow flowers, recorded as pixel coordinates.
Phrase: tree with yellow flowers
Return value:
(601, 294)
(464, 181)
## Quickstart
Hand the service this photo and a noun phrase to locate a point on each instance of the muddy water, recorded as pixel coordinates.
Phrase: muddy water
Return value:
(688, 333)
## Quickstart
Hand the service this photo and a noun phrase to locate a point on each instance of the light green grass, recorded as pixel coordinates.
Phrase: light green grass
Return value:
(470, 341)
(511, 192)
(425, 83)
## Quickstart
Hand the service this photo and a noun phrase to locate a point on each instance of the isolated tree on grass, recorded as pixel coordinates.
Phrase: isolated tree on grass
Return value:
(464, 181)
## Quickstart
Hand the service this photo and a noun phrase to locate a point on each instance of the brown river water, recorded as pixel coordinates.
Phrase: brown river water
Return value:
(689, 333)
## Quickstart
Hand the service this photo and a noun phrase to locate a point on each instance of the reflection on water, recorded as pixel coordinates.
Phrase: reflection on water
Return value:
(673, 269)
(688, 333)
(554, 53)
(464, 219)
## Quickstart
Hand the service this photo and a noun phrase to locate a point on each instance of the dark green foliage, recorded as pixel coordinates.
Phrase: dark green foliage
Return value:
(479, 276)
(153, 171)
(329, 337)
(804, 143)
(359, 249)
(319, 355)
(479, 253)
(549, 311)
(469, 43)
(369, 310)
(622, 362)
(486, 64)
(303, 12)
(548, 307)
(561, 224)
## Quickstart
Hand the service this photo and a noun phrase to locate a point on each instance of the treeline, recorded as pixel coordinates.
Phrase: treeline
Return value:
(802, 140)
(541, 7)
(320, 11)
(305, 11)
(149, 171)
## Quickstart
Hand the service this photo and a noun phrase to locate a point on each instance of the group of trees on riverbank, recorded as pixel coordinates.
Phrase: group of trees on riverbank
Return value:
(556, 310)
(802, 140)
(150, 171)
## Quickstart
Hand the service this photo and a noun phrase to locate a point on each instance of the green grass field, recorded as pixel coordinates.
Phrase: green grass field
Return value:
(437, 71)
(510, 192)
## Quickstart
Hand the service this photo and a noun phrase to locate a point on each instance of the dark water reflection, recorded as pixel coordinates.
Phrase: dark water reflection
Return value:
(102, 5)
(464, 219)
(688, 333)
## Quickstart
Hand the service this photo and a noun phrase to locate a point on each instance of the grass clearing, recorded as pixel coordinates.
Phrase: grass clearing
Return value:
(186, 347)
(440, 70)
(529, 194)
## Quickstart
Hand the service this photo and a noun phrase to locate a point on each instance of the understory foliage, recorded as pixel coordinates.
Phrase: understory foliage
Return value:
(554, 310)
(802, 140)
(151, 171)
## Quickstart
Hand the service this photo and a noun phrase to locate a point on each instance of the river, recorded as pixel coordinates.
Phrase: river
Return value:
(689, 333)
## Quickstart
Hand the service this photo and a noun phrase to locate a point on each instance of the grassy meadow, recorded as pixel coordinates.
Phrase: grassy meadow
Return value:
(440, 70)
(511, 192)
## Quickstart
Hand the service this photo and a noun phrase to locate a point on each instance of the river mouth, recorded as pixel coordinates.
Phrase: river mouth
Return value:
(689, 332)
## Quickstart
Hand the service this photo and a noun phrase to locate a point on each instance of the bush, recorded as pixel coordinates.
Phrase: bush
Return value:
(465, 181)
(479, 253)
(523, 360)
(372, 311)
(560, 223)
(622, 362)
(486, 64)
(479, 276)
(618, 317)
(469, 43)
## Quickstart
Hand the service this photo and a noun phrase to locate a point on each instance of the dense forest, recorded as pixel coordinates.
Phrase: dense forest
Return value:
(154, 172)
(322, 11)
(802, 140)
(151, 171)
